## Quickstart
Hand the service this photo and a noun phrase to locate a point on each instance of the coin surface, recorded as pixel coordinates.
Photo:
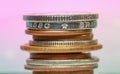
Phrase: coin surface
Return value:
(64, 38)
(58, 33)
(59, 56)
(60, 49)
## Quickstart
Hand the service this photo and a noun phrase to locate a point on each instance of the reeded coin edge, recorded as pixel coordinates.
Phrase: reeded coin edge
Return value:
(60, 49)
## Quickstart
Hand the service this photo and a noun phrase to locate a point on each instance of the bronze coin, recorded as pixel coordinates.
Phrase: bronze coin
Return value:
(60, 49)
(64, 38)
(59, 56)
(58, 33)
(64, 72)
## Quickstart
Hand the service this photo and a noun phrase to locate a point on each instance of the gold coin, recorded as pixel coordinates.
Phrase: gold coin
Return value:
(58, 33)
(60, 49)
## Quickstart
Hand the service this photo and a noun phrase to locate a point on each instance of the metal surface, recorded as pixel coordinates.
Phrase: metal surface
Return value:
(64, 72)
(61, 49)
(58, 33)
(63, 62)
(59, 56)
(62, 26)
(64, 38)
(60, 18)
(59, 43)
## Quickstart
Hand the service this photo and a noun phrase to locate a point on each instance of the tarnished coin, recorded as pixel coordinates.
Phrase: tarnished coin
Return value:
(88, 36)
(59, 56)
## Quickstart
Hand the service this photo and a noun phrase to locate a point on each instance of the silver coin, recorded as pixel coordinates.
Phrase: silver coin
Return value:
(59, 18)
(58, 43)
(62, 26)
(63, 62)
(61, 66)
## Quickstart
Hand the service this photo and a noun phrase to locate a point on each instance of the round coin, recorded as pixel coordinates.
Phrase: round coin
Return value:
(61, 43)
(60, 18)
(59, 56)
(73, 62)
(64, 38)
(60, 49)
(58, 33)
(60, 68)
(64, 72)
(81, 25)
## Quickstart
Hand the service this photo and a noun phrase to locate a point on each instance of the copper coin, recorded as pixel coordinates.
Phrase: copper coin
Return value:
(58, 33)
(64, 72)
(59, 56)
(63, 38)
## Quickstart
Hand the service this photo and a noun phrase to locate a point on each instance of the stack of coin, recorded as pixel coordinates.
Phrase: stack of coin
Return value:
(61, 43)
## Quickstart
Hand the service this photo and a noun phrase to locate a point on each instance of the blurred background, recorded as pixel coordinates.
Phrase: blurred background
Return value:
(12, 27)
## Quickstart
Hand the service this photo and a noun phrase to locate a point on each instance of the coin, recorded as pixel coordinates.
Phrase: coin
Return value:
(64, 72)
(60, 49)
(58, 33)
(60, 43)
(59, 56)
(64, 38)
(70, 62)
(62, 26)
(60, 18)
(62, 68)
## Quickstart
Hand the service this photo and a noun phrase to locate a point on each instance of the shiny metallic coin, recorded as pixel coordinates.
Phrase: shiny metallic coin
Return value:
(64, 38)
(65, 43)
(61, 66)
(60, 18)
(34, 68)
(62, 26)
(80, 62)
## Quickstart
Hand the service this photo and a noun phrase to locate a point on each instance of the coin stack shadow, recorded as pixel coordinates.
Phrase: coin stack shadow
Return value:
(61, 44)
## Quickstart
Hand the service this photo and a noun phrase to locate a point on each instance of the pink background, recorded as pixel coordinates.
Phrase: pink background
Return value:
(12, 29)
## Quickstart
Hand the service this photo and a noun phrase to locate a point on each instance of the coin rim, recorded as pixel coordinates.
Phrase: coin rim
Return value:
(59, 18)
(62, 69)
(57, 33)
(60, 49)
